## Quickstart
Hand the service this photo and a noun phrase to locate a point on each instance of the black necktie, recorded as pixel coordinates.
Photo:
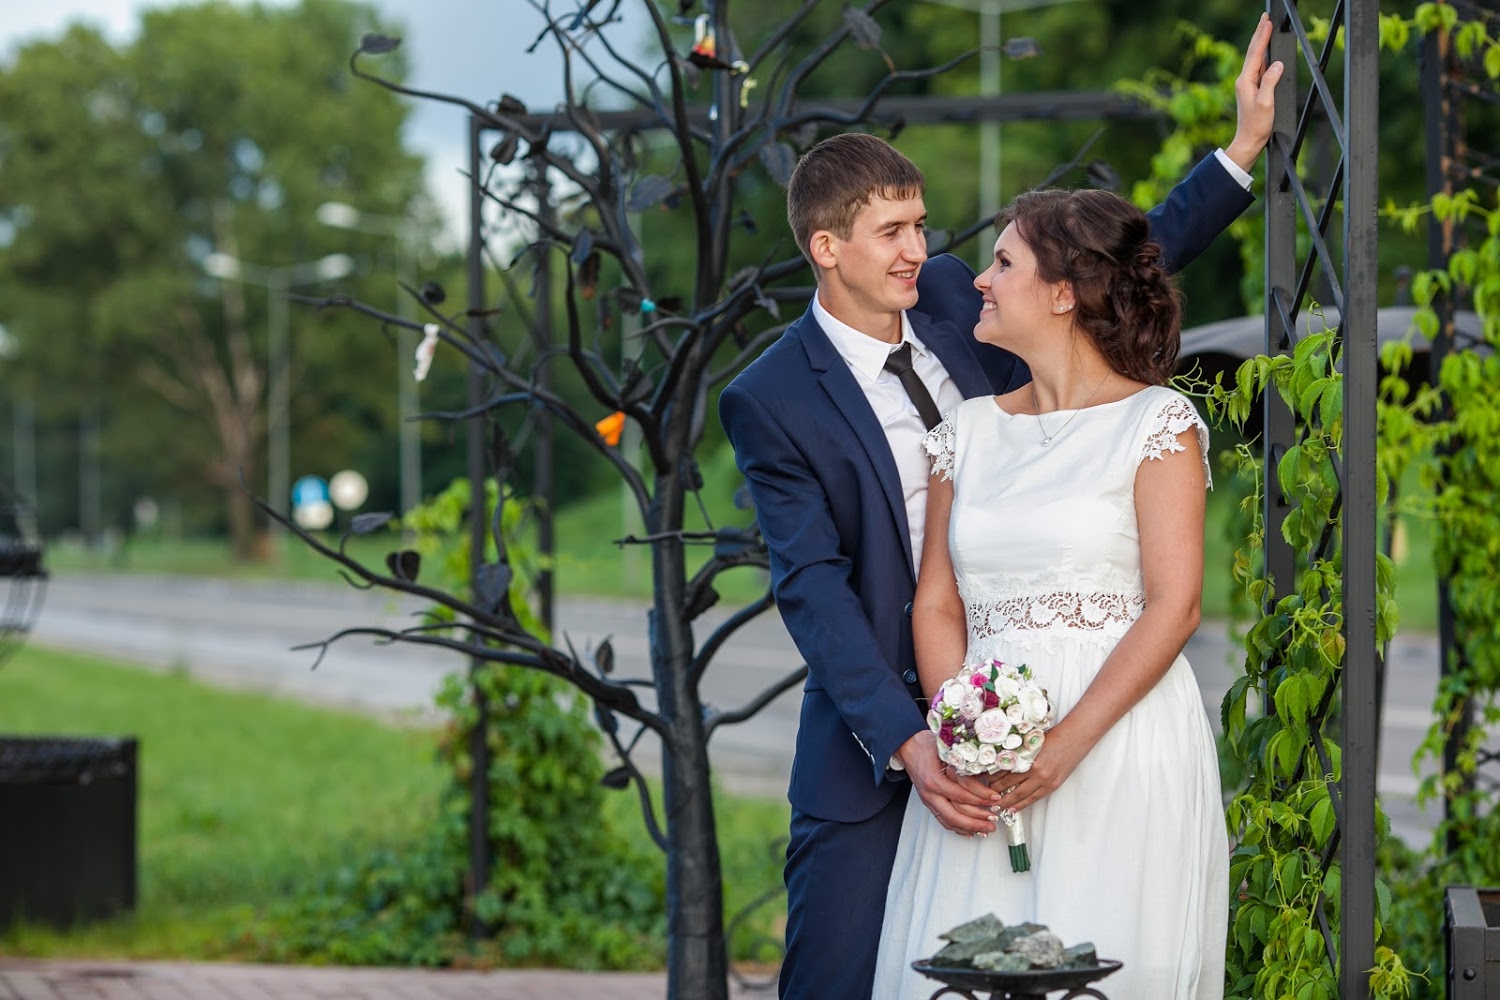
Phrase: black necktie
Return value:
(899, 365)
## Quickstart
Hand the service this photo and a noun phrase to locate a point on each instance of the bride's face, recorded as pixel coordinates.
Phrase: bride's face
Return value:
(1017, 305)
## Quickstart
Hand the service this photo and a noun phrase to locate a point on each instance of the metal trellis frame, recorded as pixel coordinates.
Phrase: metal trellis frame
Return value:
(1337, 221)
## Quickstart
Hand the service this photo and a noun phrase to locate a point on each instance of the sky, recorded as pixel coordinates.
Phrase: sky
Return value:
(470, 48)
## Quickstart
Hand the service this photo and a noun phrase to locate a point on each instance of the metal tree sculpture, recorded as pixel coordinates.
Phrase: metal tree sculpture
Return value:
(691, 342)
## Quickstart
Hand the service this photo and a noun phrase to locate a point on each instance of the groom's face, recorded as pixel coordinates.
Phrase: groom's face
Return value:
(871, 276)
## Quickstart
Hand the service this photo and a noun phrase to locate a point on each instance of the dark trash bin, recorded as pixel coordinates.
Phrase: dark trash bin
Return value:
(67, 829)
(1472, 929)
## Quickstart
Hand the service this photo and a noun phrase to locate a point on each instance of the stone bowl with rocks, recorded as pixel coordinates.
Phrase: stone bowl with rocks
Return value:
(1021, 960)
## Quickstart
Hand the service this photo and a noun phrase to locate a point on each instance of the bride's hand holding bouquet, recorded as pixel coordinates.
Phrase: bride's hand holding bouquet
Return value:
(992, 718)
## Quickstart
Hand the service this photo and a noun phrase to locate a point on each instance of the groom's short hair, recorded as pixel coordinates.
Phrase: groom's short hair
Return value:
(838, 177)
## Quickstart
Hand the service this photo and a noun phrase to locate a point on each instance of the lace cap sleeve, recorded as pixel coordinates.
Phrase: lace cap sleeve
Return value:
(939, 444)
(1170, 419)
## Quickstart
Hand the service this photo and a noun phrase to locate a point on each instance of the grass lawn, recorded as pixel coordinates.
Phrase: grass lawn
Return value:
(244, 797)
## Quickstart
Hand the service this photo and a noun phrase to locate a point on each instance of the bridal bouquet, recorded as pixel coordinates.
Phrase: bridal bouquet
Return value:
(992, 717)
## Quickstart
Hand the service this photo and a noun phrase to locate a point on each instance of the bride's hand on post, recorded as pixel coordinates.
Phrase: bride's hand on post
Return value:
(962, 804)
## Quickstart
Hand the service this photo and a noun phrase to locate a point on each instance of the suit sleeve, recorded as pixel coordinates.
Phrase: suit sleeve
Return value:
(811, 580)
(1196, 211)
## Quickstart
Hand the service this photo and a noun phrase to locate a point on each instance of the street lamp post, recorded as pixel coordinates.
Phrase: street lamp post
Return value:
(409, 440)
(989, 12)
(278, 282)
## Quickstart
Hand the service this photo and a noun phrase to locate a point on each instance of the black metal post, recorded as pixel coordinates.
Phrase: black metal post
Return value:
(479, 748)
(1279, 429)
(1361, 717)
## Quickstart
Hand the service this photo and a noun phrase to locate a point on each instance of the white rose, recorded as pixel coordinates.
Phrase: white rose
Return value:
(987, 755)
(1006, 687)
(992, 726)
(967, 752)
(1014, 712)
(1012, 741)
(1035, 707)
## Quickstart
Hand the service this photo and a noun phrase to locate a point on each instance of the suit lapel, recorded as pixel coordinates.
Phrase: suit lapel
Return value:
(844, 391)
(952, 348)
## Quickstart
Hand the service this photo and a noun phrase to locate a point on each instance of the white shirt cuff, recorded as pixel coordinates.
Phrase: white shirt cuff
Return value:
(895, 764)
(1233, 168)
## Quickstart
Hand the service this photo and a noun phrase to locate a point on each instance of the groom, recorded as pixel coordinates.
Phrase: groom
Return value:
(827, 430)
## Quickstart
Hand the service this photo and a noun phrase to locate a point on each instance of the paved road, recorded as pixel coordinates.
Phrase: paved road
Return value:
(24, 979)
(242, 634)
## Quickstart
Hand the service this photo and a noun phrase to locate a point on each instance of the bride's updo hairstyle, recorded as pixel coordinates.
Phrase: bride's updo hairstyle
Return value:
(1125, 300)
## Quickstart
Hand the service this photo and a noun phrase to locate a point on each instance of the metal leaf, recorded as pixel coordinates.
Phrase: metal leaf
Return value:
(404, 565)
(1102, 175)
(492, 585)
(606, 718)
(504, 151)
(364, 524)
(742, 498)
(375, 44)
(648, 192)
(862, 28)
(604, 657)
(699, 601)
(767, 303)
(1022, 47)
(433, 294)
(583, 245)
(618, 779)
(779, 159)
(511, 105)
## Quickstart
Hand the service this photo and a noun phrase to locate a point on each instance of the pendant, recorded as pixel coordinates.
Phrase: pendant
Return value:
(1046, 442)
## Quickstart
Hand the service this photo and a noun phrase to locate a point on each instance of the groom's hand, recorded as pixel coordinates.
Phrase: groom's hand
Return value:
(1255, 99)
(964, 805)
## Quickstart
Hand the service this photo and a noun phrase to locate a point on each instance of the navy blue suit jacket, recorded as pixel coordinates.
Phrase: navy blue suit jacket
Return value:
(829, 502)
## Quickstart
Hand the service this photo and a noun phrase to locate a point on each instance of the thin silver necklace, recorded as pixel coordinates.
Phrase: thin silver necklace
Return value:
(1047, 439)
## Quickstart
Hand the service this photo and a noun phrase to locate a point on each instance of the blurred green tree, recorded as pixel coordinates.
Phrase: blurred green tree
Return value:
(217, 129)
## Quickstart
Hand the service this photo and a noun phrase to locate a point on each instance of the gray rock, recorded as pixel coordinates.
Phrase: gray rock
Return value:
(1001, 961)
(960, 954)
(987, 926)
(1080, 956)
(1015, 932)
(1044, 950)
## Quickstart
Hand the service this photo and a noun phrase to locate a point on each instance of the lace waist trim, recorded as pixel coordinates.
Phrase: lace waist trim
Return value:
(1061, 612)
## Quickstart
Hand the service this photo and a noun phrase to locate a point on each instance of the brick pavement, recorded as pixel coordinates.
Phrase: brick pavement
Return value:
(32, 979)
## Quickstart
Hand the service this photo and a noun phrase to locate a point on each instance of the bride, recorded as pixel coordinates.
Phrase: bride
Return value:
(1065, 532)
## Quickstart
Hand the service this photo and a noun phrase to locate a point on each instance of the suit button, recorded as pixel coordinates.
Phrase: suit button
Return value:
(908, 609)
(910, 677)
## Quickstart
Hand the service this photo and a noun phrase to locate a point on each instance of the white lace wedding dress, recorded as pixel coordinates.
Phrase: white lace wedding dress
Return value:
(1131, 851)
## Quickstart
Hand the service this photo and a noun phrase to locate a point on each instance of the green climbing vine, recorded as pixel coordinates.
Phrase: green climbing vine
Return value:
(1442, 443)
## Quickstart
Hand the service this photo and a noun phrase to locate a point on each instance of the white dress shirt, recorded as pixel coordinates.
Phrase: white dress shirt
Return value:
(897, 414)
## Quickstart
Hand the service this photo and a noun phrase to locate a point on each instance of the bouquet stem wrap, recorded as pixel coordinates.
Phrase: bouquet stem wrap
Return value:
(1015, 834)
